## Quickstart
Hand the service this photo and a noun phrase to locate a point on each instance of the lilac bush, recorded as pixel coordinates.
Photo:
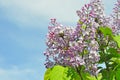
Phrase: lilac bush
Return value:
(95, 40)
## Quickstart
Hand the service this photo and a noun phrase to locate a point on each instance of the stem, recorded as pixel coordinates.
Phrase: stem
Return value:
(96, 77)
(104, 53)
(106, 66)
(83, 53)
(79, 72)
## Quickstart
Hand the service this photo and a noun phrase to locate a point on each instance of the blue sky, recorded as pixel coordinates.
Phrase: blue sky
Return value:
(23, 27)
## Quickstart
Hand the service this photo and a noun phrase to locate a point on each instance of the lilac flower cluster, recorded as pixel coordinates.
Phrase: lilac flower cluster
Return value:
(86, 28)
(68, 46)
(73, 47)
(98, 9)
(116, 18)
(61, 46)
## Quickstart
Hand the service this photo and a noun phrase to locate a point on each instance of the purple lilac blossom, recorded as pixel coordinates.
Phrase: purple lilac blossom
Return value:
(116, 18)
(69, 46)
(98, 9)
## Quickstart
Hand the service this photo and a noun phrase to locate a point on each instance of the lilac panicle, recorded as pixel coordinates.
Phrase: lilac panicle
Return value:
(116, 18)
(62, 49)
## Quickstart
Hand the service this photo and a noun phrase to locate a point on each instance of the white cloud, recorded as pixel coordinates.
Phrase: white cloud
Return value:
(32, 11)
(16, 73)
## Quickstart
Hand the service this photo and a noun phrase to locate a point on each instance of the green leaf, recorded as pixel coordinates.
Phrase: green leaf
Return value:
(102, 57)
(57, 73)
(117, 39)
(90, 77)
(47, 74)
(116, 60)
(61, 73)
(105, 75)
(113, 52)
(117, 74)
(106, 31)
(70, 72)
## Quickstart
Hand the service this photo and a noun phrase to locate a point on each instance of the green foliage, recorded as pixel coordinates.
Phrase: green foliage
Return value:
(113, 52)
(111, 74)
(117, 74)
(112, 62)
(110, 56)
(106, 31)
(107, 54)
(107, 75)
(117, 39)
(47, 74)
(98, 77)
(61, 73)
(87, 76)
(68, 73)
